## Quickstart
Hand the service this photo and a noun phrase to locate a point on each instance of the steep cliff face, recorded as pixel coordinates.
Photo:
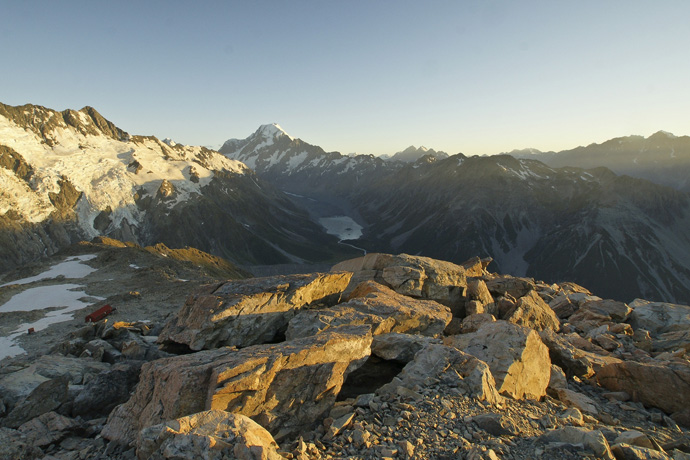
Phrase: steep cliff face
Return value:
(72, 175)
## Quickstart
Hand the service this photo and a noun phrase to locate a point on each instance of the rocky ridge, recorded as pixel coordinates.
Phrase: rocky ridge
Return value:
(384, 357)
(72, 175)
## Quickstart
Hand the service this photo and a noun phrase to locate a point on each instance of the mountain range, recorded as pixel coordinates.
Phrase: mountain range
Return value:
(621, 235)
(73, 175)
(662, 158)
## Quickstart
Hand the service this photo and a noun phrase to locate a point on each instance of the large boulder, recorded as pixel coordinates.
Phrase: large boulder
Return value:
(531, 311)
(284, 387)
(518, 359)
(415, 276)
(106, 390)
(665, 386)
(575, 361)
(48, 428)
(437, 362)
(46, 397)
(212, 435)
(17, 385)
(659, 317)
(381, 307)
(249, 312)
(399, 347)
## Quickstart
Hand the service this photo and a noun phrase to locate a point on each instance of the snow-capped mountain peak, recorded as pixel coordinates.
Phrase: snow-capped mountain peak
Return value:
(272, 130)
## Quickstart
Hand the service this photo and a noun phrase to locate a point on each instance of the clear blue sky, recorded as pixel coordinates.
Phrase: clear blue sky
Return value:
(477, 77)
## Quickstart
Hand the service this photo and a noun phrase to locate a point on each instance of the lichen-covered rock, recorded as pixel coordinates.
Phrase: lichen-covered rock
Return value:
(284, 387)
(211, 435)
(249, 312)
(518, 359)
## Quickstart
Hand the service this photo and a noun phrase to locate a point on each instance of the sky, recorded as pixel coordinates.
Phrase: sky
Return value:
(373, 77)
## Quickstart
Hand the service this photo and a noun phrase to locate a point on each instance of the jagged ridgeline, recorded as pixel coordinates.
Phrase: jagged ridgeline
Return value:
(624, 237)
(72, 175)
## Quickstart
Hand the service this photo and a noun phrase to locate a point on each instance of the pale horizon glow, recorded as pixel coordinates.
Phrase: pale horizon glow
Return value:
(366, 77)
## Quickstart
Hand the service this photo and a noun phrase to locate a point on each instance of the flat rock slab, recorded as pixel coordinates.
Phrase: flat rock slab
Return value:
(249, 312)
(284, 387)
(381, 307)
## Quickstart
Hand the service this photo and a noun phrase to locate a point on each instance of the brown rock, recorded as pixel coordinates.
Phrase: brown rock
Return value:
(472, 323)
(518, 359)
(666, 387)
(424, 277)
(379, 306)
(506, 284)
(477, 290)
(399, 347)
(283, 387)
(249, 312)
(531, 311)
(213, 434)
(574, 361)
(450, 365)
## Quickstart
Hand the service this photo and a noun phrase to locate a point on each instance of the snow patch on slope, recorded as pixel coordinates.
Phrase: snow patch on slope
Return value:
(99, 166)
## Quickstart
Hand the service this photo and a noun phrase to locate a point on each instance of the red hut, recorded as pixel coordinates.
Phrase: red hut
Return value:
(99, 314)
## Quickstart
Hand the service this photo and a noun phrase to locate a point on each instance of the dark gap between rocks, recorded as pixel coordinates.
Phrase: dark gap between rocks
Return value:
(371, 376)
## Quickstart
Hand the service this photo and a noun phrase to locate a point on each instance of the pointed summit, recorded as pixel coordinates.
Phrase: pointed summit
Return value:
(271, 131)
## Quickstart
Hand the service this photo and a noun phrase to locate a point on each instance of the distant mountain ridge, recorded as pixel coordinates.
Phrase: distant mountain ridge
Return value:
(622, 236)
(72, 175)
(412, 154)
(662, 158)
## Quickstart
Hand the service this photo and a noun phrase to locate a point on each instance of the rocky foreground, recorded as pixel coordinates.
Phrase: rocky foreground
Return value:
(383, 357)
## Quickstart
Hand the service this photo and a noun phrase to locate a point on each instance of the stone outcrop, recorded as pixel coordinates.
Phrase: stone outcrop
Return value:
(415, 276)
(379, 306)
(574, 361)
(249, 312)
(518, 359)
(531, 311)
(332, 367)
(448, 364)
(213, 434)
(659, 317)
(666, 386)
(284, 387)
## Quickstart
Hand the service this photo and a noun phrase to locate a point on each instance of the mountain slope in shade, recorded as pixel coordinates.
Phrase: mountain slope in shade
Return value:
(661, 158)
(72, 175)
(624, 237)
